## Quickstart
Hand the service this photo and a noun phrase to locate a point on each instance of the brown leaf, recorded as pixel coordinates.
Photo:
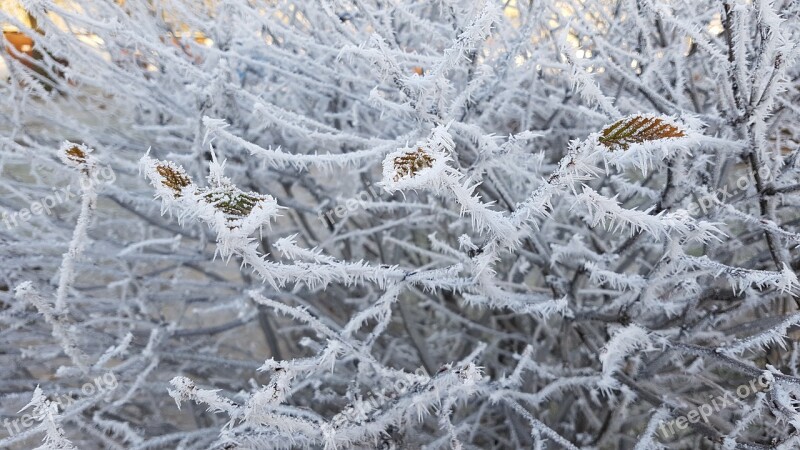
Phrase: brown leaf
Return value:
(638, 129)
(173, 177)
(411, 163)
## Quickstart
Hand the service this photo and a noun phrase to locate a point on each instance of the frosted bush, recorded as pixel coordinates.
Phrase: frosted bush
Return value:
(586, 230)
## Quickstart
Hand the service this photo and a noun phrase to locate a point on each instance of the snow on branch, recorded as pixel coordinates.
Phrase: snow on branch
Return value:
(279, 158)
(368, 224)
(46, 412)
(775, 336)
(624, 342)
(62, 330)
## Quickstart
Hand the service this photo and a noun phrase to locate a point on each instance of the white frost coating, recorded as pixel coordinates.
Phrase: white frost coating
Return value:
(624, 342)
(45, 412)
(78, 157)
(434, 154)
(453, 224)
(209, 204)
(438, 148)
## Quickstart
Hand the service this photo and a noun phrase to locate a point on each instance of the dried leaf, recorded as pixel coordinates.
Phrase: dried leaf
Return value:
(173, 177)
(76, 154)
(411, 163)
(638, 129)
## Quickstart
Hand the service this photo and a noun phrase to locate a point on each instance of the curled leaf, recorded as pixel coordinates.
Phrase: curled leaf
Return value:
(77, 156)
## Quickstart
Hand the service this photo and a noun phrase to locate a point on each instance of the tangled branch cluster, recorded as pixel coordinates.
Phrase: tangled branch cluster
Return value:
(550, 262)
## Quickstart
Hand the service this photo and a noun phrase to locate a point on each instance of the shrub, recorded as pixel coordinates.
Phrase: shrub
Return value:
(558, 224)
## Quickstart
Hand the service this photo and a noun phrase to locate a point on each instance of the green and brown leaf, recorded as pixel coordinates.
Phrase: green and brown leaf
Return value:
(233, 202)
